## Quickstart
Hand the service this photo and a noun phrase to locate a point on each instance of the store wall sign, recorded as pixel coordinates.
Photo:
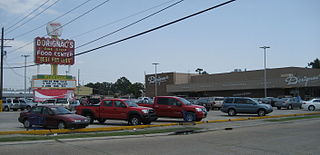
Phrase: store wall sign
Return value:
(152, 79)
(54, 51)
(54, 84)
(293, 80)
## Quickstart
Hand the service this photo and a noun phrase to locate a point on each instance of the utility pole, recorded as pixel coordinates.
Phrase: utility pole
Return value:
(25, 75)
(1, 66)
(265, 69)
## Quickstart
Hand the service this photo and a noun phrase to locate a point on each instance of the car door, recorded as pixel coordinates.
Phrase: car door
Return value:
(316, 103)
(48, 117)
(162, 106)
(245, 105)
(120, 110)
(35, 117)
(106, 109)
(174, 108)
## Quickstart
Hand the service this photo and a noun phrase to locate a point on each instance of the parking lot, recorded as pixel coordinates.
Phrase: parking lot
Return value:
(9, 120)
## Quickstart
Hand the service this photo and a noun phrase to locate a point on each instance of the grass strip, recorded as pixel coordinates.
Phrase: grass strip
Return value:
(292, 118)
(87, 135)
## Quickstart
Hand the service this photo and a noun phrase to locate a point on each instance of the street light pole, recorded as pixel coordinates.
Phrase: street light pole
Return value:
(25, 74)
(265, 69)
(155, 78)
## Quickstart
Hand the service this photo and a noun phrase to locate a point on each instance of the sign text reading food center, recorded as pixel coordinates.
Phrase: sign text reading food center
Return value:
(54, 51)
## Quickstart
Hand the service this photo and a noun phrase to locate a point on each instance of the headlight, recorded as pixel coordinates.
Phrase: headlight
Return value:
(198, 109)
(77, 121)
(145, 111)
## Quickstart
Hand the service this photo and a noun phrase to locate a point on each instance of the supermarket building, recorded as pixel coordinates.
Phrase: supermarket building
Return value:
(292, 81)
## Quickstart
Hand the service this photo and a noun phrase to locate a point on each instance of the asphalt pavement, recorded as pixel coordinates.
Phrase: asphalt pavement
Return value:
(243, 137)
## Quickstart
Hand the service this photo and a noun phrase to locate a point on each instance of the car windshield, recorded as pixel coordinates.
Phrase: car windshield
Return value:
(186, 102)
(60, 110)
(131, 103)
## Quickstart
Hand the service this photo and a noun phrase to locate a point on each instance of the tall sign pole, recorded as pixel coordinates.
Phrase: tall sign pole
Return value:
(25, 75)
(265, 69)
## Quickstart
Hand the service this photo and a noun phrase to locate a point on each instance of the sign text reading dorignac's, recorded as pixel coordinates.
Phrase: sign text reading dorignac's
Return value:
(54, 51)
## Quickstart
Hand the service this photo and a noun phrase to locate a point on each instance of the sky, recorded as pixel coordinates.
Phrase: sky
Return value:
(218, 41)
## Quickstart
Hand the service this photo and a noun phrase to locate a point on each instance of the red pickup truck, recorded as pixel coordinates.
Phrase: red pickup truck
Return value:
(176, 107)
(119, 109)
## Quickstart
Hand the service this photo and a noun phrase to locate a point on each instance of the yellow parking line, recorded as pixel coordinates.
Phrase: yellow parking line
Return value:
(44, 132)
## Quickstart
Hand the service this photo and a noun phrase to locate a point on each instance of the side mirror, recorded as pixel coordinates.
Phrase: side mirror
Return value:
(179, 104)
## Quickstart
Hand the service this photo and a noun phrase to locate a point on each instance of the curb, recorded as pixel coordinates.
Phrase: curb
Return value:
(55, 131)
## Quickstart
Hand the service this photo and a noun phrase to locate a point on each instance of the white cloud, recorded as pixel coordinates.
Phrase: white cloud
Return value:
(21, 6)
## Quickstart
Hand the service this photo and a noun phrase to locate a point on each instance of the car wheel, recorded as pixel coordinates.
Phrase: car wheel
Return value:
(22, 109)
(6, 108)
(189, 117)
(28, 108)
(289, 107)
(101, 120)
(61, 125)
(26, 124)
(134, 120)
(311, 108)
(90, 117)
(231, 112)
(261, 112)
(278, 108)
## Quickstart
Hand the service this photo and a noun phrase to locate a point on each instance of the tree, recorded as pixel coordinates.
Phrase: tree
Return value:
(199, 70)
(314, 64)
(122, 86)
(136, 89)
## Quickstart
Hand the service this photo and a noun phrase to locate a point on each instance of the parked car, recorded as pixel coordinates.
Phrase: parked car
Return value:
(117, 109)
(177, 107)
(207, 102)
(218, 102)
(5, 105)
(59, 101)
(52, 116)
(14, 104)
(288, 103)
(269, 100)
(312, 104)
(30, 103)
(246, 105)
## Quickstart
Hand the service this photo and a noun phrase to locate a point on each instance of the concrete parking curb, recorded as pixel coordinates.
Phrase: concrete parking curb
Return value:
(46, 132)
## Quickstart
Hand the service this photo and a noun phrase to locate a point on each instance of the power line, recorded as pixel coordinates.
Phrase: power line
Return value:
(131, 24)
(66, 23)
(23, 34)
(28, 14)
(153, 29)
(144, 32)
(34, 16)
(116, 21)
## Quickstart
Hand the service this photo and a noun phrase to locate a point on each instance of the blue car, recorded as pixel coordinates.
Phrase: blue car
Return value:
(245, 105)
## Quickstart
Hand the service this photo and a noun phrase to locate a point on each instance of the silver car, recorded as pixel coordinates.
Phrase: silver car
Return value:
(288, 103)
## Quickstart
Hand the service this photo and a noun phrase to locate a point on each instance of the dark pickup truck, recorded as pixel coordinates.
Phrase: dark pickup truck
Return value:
(117, 109)
(176, 107)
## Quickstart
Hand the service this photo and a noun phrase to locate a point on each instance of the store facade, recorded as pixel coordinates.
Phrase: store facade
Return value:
(289, 81)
